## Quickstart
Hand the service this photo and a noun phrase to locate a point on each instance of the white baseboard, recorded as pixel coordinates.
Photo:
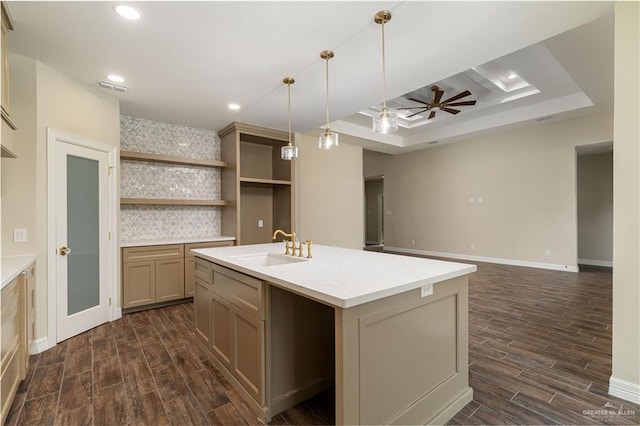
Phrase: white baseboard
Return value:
(512, 262)
(624, 390)
(593, 262)
(39, 345)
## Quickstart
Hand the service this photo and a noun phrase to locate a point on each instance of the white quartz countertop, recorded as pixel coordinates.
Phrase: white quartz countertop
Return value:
(160, 242)
(337, 276)
(12, 266)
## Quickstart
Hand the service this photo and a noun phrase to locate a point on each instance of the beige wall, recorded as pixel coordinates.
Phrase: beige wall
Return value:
(526, 180)
(19, 174)
(595, 209)
(61, 103)
(329, 194)
(626, 203)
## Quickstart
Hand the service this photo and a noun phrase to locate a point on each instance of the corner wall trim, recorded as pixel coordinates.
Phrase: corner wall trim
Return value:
(39, 345)
(624, 390)
(512, 262)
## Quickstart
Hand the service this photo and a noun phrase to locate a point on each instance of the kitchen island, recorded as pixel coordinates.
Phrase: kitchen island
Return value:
(389, 332)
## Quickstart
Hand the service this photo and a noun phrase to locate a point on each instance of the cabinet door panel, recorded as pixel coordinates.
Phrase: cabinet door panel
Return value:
(202, 301)
(138, 283)
(221, 330)
(169, 279)
(248, 351)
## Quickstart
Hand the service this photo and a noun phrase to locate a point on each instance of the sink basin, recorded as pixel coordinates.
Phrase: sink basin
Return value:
(268, 259)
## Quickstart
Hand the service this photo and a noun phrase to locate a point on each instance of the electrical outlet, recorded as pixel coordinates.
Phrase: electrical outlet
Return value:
(426, 290)
(472, 200)
(19, 235)
(260, 223)
(547, 252)
(413, 242)
(472, 246)
(479, 199)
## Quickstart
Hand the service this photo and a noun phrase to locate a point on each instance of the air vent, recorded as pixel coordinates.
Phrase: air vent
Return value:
(116, 87)
(433, 142)
(546, 117)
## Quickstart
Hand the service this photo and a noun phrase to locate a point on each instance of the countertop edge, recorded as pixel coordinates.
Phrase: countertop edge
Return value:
(141, 243)
(335, 301)
(12, 266)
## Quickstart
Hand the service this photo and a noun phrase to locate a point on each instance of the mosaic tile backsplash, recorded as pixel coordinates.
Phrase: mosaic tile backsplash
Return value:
(140, 135)
(142, 179)
(145, 222)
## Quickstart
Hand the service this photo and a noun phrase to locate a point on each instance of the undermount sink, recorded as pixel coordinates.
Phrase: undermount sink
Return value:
(268, 259)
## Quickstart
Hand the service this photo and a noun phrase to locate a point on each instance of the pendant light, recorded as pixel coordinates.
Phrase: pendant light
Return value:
(327, 139)
(289, 152)
(385, 121)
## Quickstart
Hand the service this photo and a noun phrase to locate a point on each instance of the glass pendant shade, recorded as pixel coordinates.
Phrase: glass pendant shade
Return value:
(385, 122)
(289, 152)
(328, 139)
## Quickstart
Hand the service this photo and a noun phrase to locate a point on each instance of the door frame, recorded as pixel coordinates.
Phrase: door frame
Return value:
(113, 277)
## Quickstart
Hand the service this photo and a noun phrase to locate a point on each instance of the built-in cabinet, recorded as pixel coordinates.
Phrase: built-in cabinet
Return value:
(8, 126)
(260, 187)
(230, 322)
(18, 322)
(157, 274)
(274, 347)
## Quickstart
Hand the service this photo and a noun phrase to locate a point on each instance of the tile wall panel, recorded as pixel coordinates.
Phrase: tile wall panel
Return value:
(141, 179)
(148, 222)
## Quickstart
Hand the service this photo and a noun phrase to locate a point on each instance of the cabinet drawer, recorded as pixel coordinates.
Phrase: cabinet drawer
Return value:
(137, 254)
(202, 271)
(192, 246)
(242, 290)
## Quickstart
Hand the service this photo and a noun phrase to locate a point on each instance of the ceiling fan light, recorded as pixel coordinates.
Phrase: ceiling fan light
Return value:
(385, 122)
(289, 152)
(328, 139)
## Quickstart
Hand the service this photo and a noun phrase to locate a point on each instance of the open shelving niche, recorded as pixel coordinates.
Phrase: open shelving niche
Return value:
(159, 158)
(257, 184)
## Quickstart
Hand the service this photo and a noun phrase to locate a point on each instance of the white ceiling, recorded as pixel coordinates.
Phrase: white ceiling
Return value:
(185, 61)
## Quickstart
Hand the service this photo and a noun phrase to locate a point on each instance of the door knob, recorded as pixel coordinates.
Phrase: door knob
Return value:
(64, 250)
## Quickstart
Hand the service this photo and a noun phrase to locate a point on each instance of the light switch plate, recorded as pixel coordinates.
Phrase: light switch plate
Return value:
(260, 223)
(19, 235)
(426, 290)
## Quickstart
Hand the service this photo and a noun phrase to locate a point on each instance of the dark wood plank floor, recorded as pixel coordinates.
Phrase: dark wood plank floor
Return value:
(540, 353)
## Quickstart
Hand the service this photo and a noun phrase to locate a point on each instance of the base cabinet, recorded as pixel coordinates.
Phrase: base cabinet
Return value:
(17, 318)
(157, 274)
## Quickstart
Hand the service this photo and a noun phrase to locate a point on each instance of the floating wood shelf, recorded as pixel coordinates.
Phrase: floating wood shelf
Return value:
(265, 181)
(158, 158)
(165, 201)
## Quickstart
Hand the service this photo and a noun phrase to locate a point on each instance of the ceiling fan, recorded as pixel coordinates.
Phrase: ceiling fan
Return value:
(441, 105)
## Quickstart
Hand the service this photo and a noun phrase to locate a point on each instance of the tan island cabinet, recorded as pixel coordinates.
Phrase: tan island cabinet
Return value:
(389, 333)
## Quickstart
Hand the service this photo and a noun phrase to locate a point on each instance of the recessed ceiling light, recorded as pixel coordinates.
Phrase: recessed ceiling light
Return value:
(115, 78)
(233, 106)
(511, 76)
(127, 12)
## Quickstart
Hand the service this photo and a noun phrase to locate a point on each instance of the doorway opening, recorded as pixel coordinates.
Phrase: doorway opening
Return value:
(594, 166)
(374, 212)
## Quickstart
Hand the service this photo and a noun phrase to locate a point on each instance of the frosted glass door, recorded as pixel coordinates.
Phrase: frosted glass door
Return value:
(81, 193)
(83, 220)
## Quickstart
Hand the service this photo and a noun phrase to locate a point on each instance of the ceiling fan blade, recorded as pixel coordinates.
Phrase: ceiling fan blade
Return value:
(450, 110)
(438, 96)
(433, 114)
(458, 96)
(420, 107)
(461, 103)
(418, 100)
(415, 113)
